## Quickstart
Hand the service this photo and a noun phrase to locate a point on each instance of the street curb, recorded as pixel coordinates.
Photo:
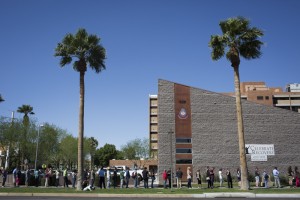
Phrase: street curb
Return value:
(233, 194)
(204, 195)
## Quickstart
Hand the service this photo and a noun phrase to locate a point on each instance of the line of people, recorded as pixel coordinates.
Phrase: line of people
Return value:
(260, 180)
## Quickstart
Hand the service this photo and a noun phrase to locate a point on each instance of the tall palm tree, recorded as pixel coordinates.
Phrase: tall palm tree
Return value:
(86, 49)
(238, 39)
(26, 110)
(1, 99)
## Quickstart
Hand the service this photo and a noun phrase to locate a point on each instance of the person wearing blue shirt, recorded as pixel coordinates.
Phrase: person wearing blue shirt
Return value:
(101, 173)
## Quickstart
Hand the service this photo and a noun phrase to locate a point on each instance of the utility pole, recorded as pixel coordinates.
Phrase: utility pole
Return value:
(7, 150)
(171, 152)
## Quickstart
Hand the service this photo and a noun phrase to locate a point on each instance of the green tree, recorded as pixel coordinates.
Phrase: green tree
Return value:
(136, 150)
(93, 143)
(238, 39)
(106, 153)
(87, 51)
(68, 151)
(50, 138)
(10, 133)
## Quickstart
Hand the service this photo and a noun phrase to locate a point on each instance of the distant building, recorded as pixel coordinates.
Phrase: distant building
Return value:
(295, 87)
(153, 126)
(258, 92)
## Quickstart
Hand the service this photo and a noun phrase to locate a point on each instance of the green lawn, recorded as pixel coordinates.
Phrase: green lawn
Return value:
(147, 191)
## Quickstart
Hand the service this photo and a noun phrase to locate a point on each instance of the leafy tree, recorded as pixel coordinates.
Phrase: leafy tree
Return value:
(50, 143)
(93, 143)
(87, 51)
(238, 39)
(10, 133)
(136, 150)
(106, 153)
(68, 150)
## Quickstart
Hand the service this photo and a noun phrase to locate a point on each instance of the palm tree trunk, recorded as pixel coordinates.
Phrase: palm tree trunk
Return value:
(80, 132)
(240, 124)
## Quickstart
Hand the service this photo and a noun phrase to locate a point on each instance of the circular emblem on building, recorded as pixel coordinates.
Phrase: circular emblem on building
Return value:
(182, 114)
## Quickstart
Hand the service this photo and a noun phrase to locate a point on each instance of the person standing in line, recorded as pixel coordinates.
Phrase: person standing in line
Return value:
(165, 178)
(36, 177)
(256, 173)
(152, 175)
(4, 177)
(221, 177)
(145, 173)
(229, 178)
(92, 178)
(27, 177)
(212, 177)
(115, 176)
(65, 175)
(266, 178)
(101, 174)
(108, 175)
(238, 174)
(18, 180)
(135, 177)
(169, 177)
(15, 176)
(189, 177)
(208, 177)
(47, 177)
(74, 177)
(276, 177)
(198, 176)
(297, 177)
(57, 178)
(127, 176)
(122, 177)
(179, 175)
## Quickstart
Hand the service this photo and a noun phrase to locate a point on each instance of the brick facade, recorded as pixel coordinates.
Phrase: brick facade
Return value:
(214, 131)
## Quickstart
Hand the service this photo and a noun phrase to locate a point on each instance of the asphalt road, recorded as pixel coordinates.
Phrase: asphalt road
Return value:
(118, 198)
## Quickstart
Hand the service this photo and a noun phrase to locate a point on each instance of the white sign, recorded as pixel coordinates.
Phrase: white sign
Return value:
(260, 149)
(259, 157)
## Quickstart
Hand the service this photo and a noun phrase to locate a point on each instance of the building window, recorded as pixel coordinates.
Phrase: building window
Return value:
(260, 98)
(184, 161)
(267, 97)
(184, 140)
(182, 150)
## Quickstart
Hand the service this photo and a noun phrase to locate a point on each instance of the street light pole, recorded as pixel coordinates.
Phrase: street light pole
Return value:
(171, 152)
(37, 145)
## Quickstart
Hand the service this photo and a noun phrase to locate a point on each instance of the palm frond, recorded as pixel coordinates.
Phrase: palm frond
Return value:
(85, 48)
(218, 47)
(251, 49)
(240, 40)
(1, 99)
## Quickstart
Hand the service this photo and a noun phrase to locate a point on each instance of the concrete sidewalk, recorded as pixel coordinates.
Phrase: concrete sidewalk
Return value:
(204, 195)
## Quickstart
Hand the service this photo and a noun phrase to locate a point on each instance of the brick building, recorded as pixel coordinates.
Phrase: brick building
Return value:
(258, 92)
(198, 128)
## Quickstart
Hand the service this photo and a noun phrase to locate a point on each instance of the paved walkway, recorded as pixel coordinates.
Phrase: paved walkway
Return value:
(221, 194)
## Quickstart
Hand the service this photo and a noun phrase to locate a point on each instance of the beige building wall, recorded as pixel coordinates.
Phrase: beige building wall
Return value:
(153, 125)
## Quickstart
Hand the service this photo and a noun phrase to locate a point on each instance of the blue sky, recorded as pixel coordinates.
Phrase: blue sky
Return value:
(145, 40)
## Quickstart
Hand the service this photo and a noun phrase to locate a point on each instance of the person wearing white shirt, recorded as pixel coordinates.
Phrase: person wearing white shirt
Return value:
(276, 177)
(221, 177)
